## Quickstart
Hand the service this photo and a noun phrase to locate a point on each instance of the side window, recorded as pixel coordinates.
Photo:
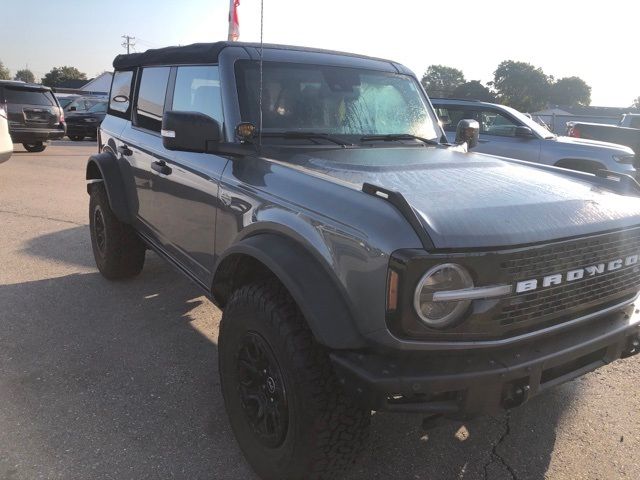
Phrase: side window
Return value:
(151, 96)
(197, 89)
(449, 117)
(494, 123)
(635, 122)
(120, 97)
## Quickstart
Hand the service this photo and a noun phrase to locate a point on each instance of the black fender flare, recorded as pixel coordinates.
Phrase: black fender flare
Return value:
(105, 167)
(310, 284)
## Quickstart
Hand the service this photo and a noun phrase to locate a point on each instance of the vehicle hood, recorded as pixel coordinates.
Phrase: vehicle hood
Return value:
(593, 143)
(474, 200)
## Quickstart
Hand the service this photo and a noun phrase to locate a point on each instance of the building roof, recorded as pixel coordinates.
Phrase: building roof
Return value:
(203, 53)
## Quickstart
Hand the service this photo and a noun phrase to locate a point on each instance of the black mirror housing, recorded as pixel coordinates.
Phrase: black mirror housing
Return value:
(190, 132)
(468, 131)
(522, 131)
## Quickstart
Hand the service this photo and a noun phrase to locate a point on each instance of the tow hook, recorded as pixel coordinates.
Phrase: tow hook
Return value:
(632, 348)
(515, 394)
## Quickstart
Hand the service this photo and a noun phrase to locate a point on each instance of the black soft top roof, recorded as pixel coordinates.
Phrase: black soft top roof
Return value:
(202, 53)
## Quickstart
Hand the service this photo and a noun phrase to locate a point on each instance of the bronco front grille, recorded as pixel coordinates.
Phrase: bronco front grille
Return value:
(566, 301)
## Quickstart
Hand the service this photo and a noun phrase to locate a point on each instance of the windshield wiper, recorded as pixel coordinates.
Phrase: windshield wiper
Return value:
(397, 136)
(313, 136)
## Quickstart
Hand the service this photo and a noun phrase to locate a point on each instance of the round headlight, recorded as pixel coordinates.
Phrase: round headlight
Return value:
(441, 314)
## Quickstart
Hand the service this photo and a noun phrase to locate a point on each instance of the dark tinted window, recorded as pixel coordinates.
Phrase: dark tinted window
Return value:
(29, 97)
(121, 93)
(150, 104)
(198, 90)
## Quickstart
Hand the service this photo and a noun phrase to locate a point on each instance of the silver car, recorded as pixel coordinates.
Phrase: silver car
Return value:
(507, 132)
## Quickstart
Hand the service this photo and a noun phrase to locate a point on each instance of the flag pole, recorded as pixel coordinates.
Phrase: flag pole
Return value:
(234, 27)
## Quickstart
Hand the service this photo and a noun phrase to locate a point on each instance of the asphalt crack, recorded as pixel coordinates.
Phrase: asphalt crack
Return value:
(495, 455)
(42, 217)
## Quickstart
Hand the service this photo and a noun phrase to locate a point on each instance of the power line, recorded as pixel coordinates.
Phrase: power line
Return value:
(129, 42)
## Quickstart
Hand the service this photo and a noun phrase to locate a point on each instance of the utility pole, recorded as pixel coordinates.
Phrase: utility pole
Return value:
(129, 42)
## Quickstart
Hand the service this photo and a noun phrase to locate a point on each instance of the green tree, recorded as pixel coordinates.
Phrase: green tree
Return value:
(5, 74)
(474, 90)
(441, 81)
(25, 75)
(570, 91)
(521, 85)
(58, 75)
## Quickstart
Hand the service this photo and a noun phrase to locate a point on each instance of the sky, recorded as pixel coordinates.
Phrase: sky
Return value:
(597, 41)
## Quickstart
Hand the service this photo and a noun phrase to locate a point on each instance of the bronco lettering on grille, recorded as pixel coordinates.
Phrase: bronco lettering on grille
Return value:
(576, 274)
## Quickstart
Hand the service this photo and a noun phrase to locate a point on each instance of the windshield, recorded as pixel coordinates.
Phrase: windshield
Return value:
(333, 100)
(98, 108)
(64, 101)
(532, 124)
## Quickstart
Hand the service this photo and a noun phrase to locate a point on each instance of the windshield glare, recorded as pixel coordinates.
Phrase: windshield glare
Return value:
(333, 100)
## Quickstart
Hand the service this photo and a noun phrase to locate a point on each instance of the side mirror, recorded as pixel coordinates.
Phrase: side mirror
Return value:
(190, 132)
(522, 131)
(468, 132)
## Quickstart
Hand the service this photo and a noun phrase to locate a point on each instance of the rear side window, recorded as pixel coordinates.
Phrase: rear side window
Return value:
(120, 98)
(151, 97)
(29, 97)
(197, 89)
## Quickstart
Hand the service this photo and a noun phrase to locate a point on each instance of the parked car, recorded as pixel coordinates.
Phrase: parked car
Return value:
(86, 124)
(65, 99)
(508, 133)
(6, 145)
(33, 112)
(361, 263)
(627, 132)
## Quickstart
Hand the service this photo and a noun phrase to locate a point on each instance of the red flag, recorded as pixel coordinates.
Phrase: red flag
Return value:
(234, 22)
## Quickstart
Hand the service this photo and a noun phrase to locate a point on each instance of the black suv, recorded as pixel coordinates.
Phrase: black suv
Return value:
(34, 114)
(362, 262)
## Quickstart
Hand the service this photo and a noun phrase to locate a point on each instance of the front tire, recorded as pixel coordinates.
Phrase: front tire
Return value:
(117, 249)
(287, 410)
(34, 147)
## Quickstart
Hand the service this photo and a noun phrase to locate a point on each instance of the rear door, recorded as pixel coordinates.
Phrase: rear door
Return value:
(31, 108)
(141, 145)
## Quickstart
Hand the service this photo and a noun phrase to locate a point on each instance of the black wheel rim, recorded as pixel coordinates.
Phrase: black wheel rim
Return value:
(99, 229)
(262, 390)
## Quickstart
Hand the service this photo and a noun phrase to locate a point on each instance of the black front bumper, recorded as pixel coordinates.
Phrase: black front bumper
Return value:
(35, 135)
(467, 384)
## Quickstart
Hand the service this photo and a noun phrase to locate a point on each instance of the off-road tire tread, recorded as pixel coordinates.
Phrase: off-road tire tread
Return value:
(341, 426)
(125, 250)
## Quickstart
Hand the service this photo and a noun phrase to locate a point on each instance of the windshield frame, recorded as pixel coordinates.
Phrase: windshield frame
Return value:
(239, 89)
(537, 129)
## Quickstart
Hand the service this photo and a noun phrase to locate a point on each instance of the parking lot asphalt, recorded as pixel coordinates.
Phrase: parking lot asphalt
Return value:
(104, 380)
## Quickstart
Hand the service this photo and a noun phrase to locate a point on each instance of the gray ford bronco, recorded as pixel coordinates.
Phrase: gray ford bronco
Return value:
(361, 262)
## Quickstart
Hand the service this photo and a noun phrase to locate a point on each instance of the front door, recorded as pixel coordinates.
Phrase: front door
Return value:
(186, 192)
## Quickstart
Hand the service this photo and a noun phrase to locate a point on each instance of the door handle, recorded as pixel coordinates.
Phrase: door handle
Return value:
(160, 166)
(124, 150)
